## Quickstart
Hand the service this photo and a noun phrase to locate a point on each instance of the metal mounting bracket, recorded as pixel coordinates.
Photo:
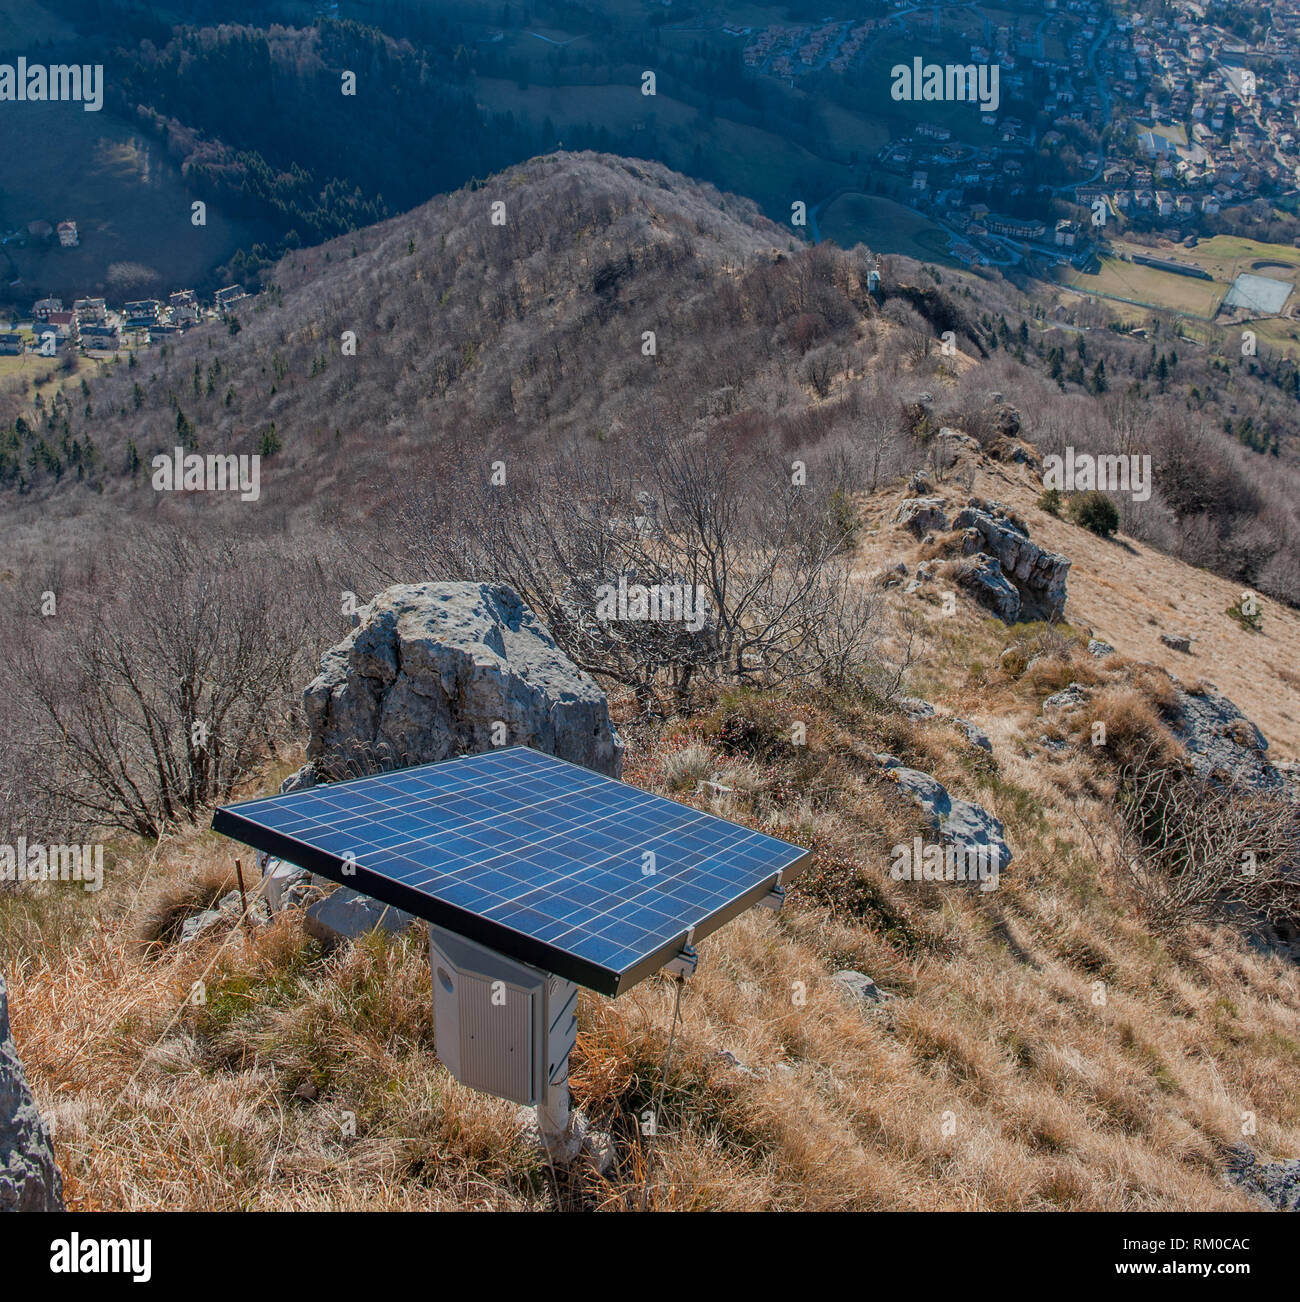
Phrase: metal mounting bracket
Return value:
(685, 963)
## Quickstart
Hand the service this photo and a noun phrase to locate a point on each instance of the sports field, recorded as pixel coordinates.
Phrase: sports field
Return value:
(1224, 258)
(1165, 290)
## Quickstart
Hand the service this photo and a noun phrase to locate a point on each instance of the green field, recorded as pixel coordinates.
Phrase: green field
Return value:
(1227, 256)
(847, 132)
(130, 203)
(28, 365)
(1224, 257)
(31, 375)
(884, 227)
(1148, 285)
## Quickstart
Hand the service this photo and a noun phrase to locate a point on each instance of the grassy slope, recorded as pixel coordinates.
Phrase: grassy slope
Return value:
(1129, 594)
(993, 1079)
(128, 198)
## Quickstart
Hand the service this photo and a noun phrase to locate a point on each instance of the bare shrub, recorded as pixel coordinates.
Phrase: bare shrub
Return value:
(1199, 852)
(153, 703)
(820, 366)
(765, 558)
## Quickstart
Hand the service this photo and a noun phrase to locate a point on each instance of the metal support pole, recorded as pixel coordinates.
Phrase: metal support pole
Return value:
(553, 1115)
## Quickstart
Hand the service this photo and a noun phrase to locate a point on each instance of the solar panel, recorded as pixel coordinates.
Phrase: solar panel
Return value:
(542, 860)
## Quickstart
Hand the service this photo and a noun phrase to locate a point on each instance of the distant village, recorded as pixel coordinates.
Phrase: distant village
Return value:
(93, 328)
(1196, 120)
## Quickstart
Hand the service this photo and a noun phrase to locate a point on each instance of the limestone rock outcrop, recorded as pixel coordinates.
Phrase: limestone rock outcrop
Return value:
(433, 670)
(29, 1178)
(439, 669)
(968, 828)
(1039, 575)
(1222, 744)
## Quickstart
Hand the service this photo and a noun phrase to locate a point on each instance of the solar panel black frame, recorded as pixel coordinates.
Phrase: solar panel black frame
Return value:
(239, 821)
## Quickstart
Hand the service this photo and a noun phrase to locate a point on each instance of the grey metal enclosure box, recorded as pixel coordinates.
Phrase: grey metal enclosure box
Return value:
(501, 1026)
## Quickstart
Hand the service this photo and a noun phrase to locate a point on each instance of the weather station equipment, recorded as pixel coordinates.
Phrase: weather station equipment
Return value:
(535, 876)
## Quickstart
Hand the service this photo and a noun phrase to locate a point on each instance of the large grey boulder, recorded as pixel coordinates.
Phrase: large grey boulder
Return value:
(433, 670)
(965, 826)
(991, 530)
(1222, 744)
(29, 1178)
(439, 669)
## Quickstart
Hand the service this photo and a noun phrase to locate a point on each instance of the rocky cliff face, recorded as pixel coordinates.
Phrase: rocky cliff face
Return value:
(1039, 575)
(29, 1179)
(440, 669)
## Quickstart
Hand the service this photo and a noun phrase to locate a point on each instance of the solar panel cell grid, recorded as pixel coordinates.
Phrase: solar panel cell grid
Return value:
(546, 861)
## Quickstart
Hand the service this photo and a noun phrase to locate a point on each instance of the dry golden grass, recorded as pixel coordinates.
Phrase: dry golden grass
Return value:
(1041, 1049)
(1130, 720)
(162, 914)
(994, 1078)
(1129, 594)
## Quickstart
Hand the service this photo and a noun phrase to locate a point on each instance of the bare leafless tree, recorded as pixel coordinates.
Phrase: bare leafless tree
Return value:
(760, 548)
(154, 702)
(879, 431)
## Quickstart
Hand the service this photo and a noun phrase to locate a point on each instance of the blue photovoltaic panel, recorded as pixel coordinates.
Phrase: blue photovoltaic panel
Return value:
(542, 860)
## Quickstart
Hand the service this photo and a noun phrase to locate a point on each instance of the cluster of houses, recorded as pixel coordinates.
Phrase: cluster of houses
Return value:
(1243, 101)
(98, 330)
(785, 50)
(68, 235)
(1200, 120)
(67, 232)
